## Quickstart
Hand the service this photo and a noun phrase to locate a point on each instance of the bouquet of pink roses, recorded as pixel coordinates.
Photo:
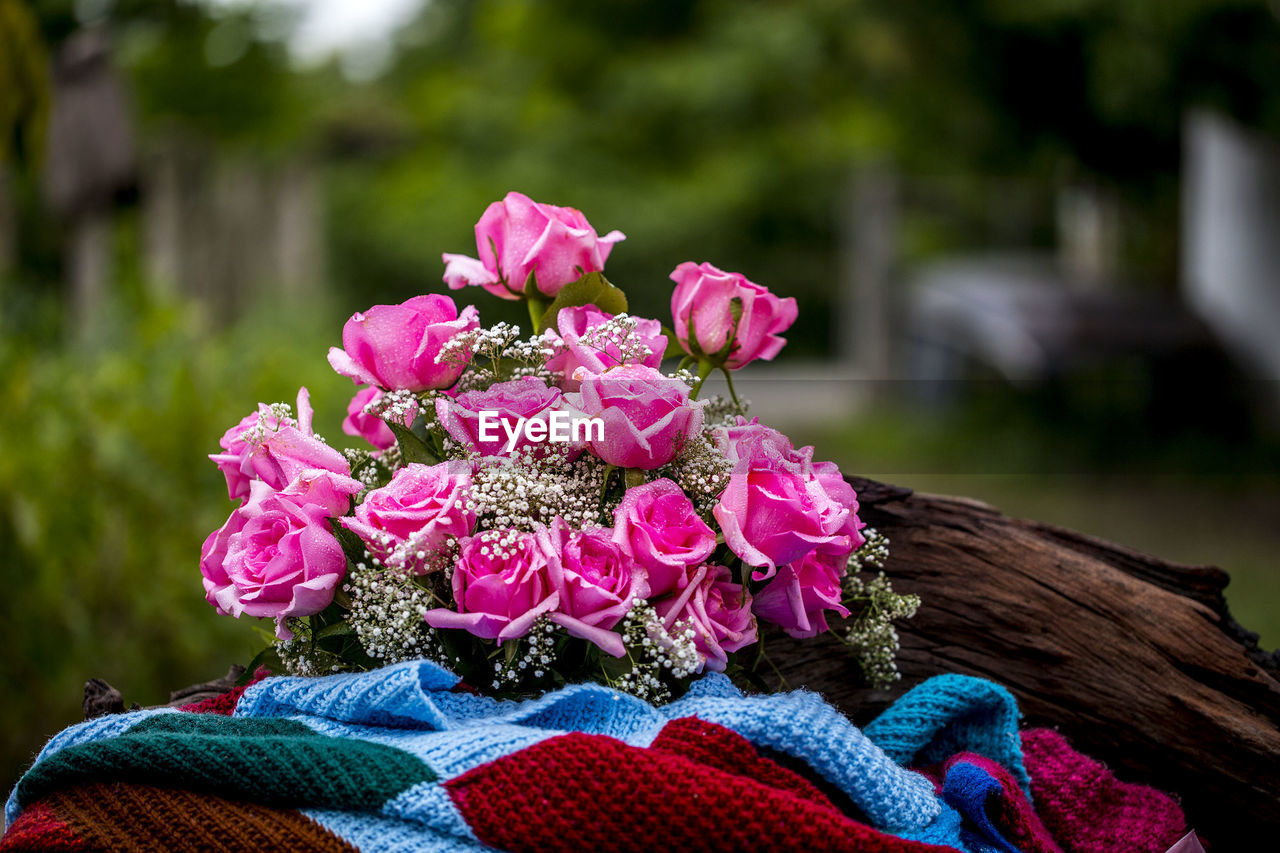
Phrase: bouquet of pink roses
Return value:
(541, 510)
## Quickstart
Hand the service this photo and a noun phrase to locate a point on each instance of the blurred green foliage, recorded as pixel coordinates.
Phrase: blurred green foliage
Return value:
(106, 495)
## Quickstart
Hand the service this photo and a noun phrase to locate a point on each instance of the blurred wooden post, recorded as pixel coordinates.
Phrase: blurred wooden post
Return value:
(90, 159)
(868, 254)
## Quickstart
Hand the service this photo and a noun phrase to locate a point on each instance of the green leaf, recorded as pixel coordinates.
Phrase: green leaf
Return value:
(592, 289)
(412, 448)
(673, 344)
(352, 545)
(337, 629)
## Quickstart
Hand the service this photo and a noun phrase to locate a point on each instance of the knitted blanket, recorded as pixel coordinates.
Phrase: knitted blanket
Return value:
(398, 759)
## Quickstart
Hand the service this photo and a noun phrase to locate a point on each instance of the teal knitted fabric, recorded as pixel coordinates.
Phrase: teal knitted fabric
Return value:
(271, 761)
(949, 714)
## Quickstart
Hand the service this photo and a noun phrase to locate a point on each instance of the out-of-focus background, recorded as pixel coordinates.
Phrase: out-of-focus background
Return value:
(1036, 248)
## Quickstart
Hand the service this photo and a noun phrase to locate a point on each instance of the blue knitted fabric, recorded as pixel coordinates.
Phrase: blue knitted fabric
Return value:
(967, 788)
(949, 714)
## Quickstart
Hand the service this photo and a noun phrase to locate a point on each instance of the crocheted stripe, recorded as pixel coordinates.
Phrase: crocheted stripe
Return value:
(591, 792)
(148, 819)
(1089, 810)
(276, 762)
(39, 828)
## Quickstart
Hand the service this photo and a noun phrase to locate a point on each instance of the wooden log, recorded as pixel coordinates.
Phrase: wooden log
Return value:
(1136, 660)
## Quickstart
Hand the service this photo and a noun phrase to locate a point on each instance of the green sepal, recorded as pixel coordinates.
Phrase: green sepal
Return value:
(531, 286)
(592, 289)
(735, 311)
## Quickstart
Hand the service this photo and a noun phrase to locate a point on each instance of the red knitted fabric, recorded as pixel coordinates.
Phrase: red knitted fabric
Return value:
(1089, 810)
(38, 828)
(724, 749)
(647, 799)
(225, 703)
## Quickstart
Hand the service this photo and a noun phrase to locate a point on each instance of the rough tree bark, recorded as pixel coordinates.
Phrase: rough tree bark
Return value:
(1135, 659)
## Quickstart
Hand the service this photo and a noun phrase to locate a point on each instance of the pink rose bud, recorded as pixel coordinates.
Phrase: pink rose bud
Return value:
(500, 586)
(657, 527)
(273, 557)
(594, 581)
(647, 417)
(265, 447)
(233, 463)
(517, 238)
(395, 346)
(777, 508)
(723, 317)
(576, 345)
(510, 407)
(798, 597)
(718, 610)
(416, 513)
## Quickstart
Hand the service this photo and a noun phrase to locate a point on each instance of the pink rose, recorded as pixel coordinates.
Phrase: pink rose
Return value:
(326, 489)
(703, 308)
(371, 428)
(577, 347)
(776, 509)
(395, 346)
(594, 581)
(500, 586)
(528, 397)
(839, 490)
(517, 238)
(417, 511)
(657, 526)
(647, 417)
(264, 447)
(798, 597)
(273, 557)
(718, 610)
(748, 439)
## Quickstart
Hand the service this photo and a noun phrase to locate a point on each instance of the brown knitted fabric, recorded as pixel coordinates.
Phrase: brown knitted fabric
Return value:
(126, 816)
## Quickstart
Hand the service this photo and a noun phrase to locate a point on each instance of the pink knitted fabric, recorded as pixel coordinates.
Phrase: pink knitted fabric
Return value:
(1089, 810)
